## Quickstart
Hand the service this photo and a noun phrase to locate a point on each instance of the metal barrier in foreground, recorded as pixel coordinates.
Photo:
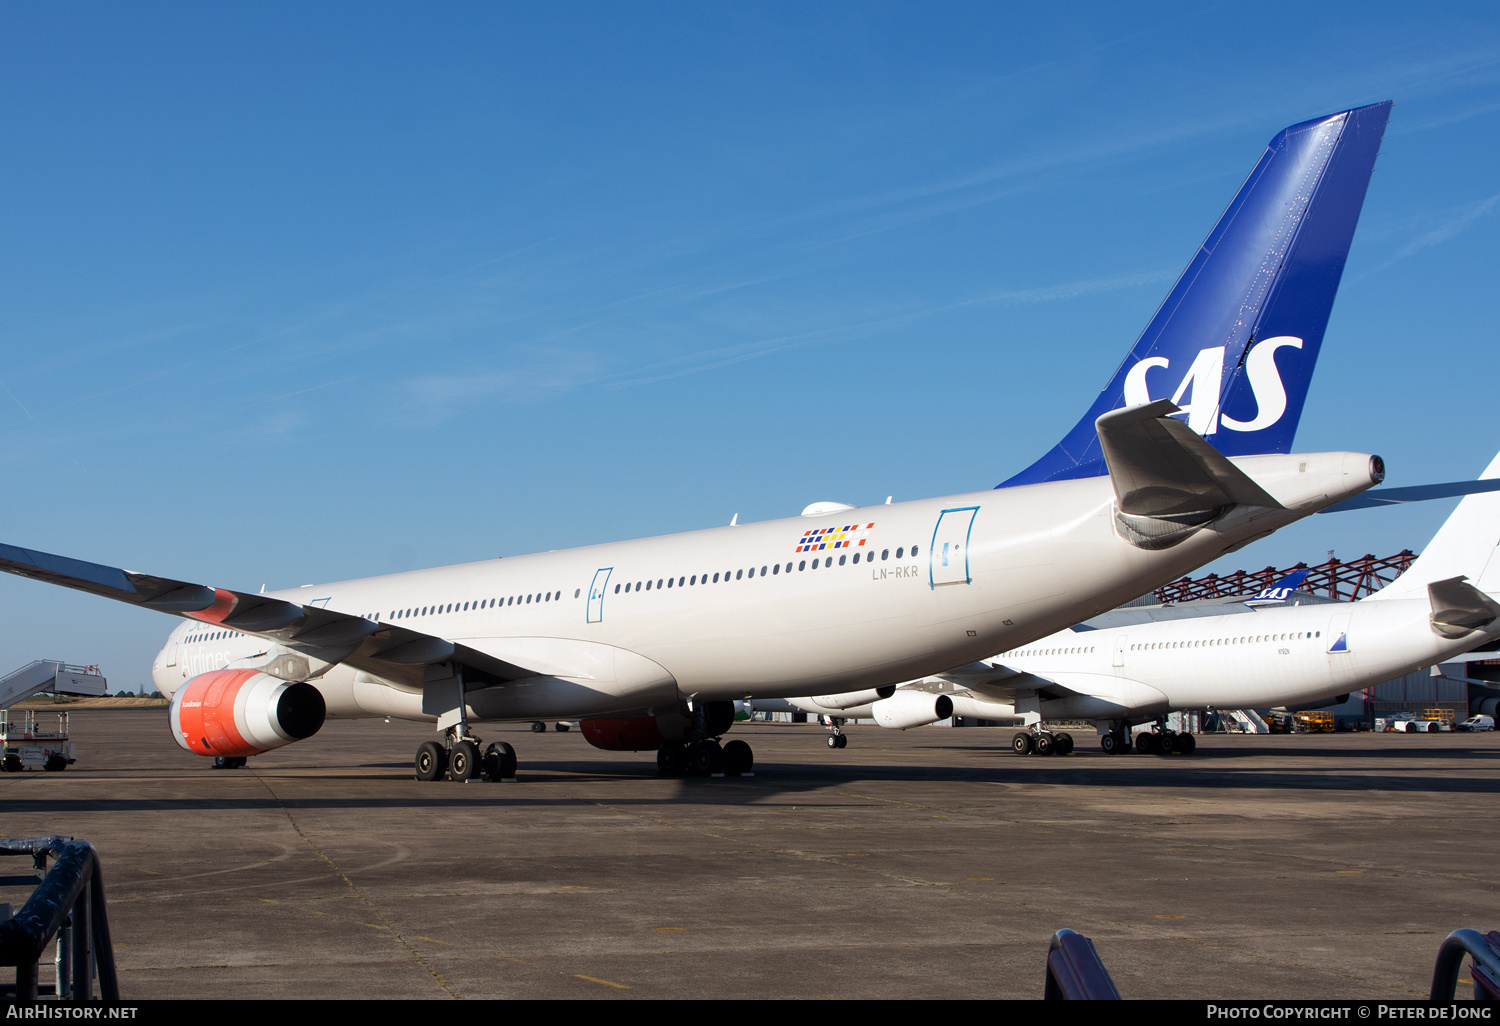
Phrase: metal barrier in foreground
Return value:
(68, 904)
(1074, 971)
(1483, 949)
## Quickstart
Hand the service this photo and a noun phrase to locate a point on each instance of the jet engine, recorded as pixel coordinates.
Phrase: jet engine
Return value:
(911, 709)
(236, 713)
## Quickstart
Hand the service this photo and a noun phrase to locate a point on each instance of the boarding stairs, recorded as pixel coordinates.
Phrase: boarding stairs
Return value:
(51, 675)
(1248, 719)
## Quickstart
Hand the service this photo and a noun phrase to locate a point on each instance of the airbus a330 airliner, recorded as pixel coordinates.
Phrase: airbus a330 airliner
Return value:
(650, 641)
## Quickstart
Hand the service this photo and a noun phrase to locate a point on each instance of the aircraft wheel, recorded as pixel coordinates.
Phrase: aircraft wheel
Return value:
(499, 762)
(1166, 744)
(1065, 744)
(706, 758)
(1022, 743)
(833, 740)
(1110, 743)
(463, 761)
(1145, 744)
(738, 758)
(561, 728)
(671, 759)
(431, 761)
(1186, 743)
(538, 727)
(1045, 745)
(843, 740)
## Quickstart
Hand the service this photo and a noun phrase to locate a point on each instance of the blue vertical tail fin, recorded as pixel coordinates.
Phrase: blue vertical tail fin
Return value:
(1235, 342)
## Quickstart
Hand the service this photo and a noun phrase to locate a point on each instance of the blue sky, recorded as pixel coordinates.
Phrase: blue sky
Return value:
(302, 292)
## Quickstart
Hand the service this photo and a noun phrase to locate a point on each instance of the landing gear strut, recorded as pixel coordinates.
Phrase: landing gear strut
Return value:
(1036, 741)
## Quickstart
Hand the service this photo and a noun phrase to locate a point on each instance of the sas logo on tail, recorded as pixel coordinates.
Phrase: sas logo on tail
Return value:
(1280, 591)
(1205, 380)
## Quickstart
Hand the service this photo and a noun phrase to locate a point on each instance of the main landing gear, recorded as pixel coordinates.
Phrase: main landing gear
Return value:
(1156, 741)
(460, 759)
(705, 758)
(1036, 741)
(1161, 741)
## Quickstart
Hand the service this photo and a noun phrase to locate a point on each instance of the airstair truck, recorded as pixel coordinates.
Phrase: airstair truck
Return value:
(25, 743)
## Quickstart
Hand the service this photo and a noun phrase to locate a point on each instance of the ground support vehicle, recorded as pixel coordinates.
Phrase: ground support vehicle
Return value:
(26, 745)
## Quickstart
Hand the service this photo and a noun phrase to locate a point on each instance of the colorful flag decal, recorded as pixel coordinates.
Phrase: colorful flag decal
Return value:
(850, 536)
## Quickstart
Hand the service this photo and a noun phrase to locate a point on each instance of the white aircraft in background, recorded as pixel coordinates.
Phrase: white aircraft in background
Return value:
(649, 642)
(1267, 655)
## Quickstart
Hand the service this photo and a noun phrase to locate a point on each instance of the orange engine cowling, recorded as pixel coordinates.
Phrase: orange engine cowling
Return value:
(632, 734)
(243, 712)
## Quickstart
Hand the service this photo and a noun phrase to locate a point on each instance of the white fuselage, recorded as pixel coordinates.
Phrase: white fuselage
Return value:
(1266, 657)
(739, 611)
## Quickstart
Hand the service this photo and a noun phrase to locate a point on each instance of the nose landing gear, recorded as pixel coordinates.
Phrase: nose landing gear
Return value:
(838, 739)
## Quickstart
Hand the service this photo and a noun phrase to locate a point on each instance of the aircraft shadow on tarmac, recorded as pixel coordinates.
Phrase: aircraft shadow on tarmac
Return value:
(791, 779)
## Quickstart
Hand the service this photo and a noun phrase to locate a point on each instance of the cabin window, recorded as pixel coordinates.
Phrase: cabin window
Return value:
(716, 578)
(913, 552)
(885, 553)
(841, 560)
(899, 553)
(802, 565)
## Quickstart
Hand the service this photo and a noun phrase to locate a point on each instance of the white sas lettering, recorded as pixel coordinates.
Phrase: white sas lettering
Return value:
(1205, 379)
(1265, 382)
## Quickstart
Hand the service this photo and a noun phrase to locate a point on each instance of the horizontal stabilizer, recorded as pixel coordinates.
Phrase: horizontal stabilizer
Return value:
(1161, 468)
(1414, 493)
(385, 650)
(1459, 608)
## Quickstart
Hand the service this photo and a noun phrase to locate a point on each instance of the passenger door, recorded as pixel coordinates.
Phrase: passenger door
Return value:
(948, 556)
(596, 594)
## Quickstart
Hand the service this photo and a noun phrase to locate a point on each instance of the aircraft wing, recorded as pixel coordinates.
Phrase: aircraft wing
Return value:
(1414, 493)
(396, 653)
(1003, 683)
